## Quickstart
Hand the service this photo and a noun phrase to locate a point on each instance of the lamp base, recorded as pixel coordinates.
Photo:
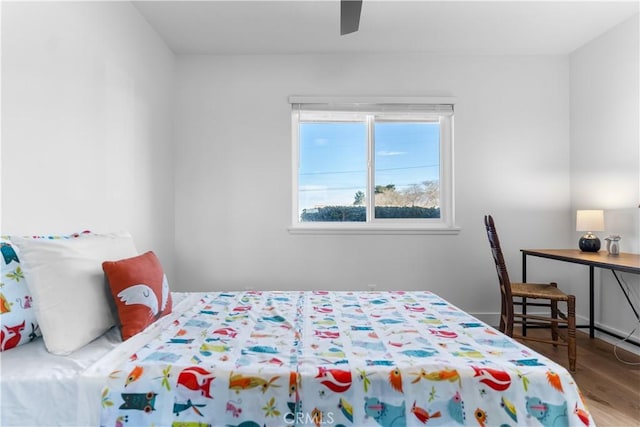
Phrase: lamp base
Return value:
(589, 243)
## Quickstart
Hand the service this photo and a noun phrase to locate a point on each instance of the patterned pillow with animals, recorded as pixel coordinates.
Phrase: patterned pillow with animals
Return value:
(140, 290)
(17, 318)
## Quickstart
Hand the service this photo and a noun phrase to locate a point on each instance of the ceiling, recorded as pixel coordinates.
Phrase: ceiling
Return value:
(449, 26)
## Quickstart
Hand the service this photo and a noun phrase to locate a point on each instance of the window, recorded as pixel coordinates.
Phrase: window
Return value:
(372, 165)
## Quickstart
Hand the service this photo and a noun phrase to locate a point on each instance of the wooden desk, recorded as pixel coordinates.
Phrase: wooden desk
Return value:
(626, 262)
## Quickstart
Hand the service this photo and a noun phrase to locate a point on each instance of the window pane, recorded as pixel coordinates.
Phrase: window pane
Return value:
(332, 177)
(407, 169)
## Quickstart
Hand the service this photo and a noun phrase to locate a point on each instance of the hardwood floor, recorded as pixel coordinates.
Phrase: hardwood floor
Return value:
(610, 387)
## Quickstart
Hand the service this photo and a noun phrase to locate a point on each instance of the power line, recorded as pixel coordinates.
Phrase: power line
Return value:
(362, 188)
(364, 170)
(332, 189)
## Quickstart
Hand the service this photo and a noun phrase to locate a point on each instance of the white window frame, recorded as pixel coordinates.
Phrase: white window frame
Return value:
(442, 110)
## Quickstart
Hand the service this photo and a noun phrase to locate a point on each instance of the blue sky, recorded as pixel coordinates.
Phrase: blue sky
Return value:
(333, 159)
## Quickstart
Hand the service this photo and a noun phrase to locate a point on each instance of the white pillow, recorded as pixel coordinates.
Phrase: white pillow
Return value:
(71, 298)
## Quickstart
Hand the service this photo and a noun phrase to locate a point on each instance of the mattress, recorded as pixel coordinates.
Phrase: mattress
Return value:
(266, 359)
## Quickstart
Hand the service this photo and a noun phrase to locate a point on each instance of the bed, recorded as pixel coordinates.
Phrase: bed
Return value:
(297, 358)
(253, 358)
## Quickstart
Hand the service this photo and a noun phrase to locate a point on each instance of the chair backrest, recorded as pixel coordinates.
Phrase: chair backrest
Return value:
(501, 268)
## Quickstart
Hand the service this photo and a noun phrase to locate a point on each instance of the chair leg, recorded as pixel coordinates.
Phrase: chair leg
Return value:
(503, 315)
(524, 319)
(571, 332)
(508, 329)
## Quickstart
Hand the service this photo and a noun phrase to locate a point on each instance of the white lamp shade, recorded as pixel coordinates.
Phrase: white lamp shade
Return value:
(590, 220)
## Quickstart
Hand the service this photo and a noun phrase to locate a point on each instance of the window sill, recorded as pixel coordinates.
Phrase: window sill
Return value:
(371, 229)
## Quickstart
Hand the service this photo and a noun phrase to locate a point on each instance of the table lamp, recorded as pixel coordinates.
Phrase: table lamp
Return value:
(589, 221)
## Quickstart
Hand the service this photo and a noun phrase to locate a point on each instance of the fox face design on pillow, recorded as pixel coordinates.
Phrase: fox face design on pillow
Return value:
(144, 294)
(140, 290)
(11, 338)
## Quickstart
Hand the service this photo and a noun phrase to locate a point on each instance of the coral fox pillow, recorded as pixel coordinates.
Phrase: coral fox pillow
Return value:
(70, 296)
(140, 290)
(17, 316)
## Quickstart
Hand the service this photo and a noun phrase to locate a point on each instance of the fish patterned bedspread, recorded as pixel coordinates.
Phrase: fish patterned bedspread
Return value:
(316, 358)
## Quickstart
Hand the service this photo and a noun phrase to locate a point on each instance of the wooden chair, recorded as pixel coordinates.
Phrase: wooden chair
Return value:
(518, 294)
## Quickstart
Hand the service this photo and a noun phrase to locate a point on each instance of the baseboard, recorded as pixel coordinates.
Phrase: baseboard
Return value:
(493, 319)
(632, 348)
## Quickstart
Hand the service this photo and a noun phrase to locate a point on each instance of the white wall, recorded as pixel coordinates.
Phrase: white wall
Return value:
(233, 172)
(86, 122)
(605, 155)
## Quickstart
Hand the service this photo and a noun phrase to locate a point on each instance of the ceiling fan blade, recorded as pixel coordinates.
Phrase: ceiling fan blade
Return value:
(349, 16)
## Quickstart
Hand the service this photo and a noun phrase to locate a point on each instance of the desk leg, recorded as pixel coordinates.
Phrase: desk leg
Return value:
(524, 300)
(591, 303)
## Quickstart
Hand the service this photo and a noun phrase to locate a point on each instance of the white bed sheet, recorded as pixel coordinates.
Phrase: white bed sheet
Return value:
(38, 388)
